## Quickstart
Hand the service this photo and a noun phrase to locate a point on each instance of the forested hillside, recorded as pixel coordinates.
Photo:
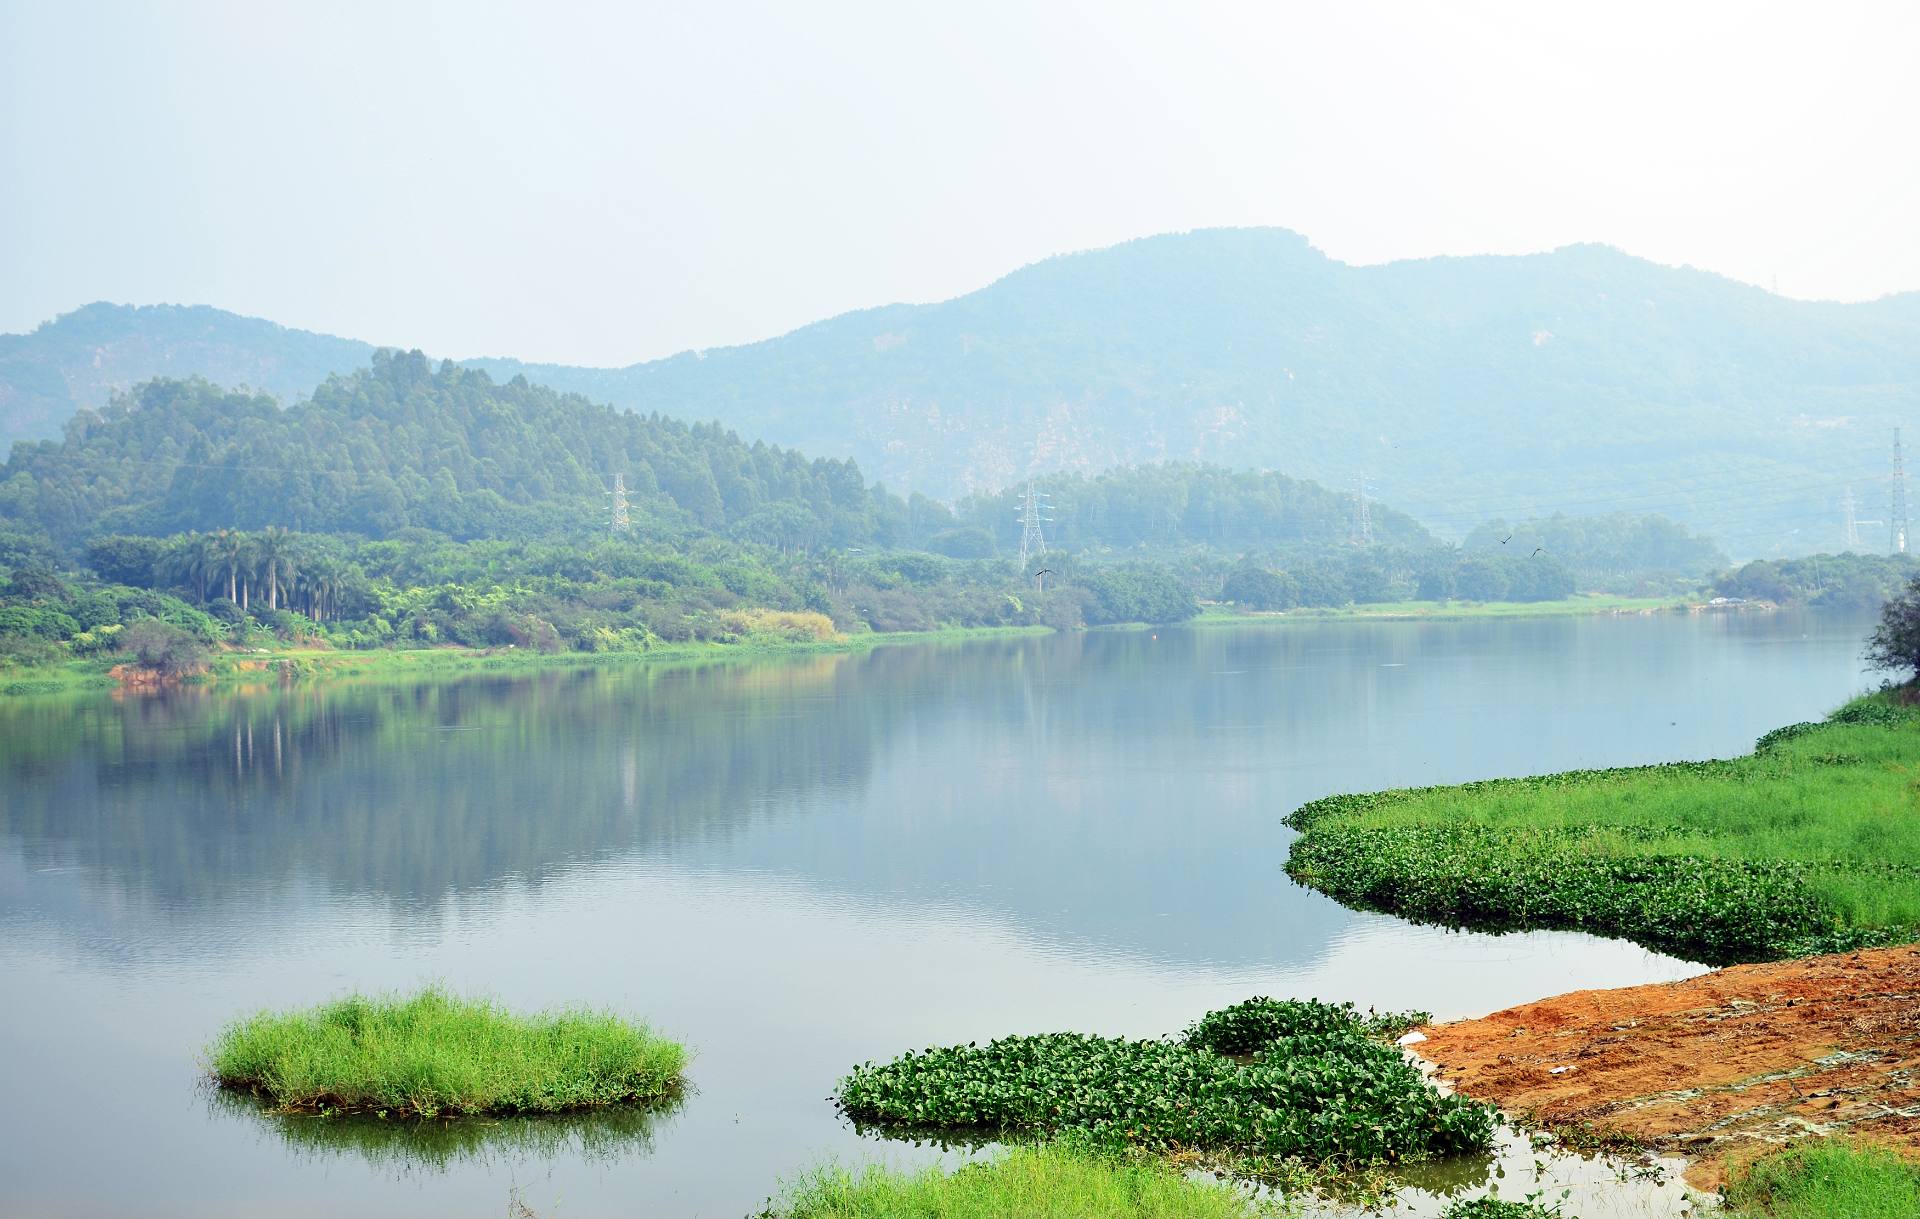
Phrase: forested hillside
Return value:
(408, 444)
(405, 444)
(81, 359)
(1184, 504)
(1463, 389)
(1620, 552)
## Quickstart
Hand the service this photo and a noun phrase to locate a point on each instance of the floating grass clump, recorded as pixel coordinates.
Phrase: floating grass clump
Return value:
(434, 1054)
(1319, 1088)
(1826, 1179)
(1056, 1180)
(1807, 845)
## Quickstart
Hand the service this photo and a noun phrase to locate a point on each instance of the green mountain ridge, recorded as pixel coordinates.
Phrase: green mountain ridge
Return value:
(1460, 388)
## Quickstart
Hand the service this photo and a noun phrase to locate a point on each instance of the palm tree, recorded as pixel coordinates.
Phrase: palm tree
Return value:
(227, 551)
(182, 563)
(275, 550)
(321, 583)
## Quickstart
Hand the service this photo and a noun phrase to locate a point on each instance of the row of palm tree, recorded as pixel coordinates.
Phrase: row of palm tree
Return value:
(272, 562)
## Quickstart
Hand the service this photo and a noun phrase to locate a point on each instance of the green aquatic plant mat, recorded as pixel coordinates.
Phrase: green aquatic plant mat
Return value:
(1320, 1089)
(433, 1053)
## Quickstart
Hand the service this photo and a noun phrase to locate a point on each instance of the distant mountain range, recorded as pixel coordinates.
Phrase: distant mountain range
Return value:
(1458, 388)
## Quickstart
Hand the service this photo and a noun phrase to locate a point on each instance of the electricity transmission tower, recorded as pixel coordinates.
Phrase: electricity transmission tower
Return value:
(1897, 508)
(1852, 528)
(619, 495)
(1033, 512)
(1363, 514)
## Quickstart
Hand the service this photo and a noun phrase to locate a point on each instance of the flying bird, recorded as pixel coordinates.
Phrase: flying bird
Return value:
(1046, 571)
(1538, 551)
(1505, 540)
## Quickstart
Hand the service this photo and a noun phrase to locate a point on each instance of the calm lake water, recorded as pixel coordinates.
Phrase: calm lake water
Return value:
(794, 865)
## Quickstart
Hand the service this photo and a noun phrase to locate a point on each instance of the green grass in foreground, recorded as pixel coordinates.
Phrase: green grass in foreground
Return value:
(1826, 1179)
(434, 1054)
(1049, 1181)
(1810, 844)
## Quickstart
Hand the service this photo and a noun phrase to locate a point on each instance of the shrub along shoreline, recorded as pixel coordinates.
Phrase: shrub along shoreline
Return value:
(1805, 846)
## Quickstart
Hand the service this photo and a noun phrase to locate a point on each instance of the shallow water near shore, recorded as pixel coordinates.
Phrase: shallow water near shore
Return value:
(793, 864)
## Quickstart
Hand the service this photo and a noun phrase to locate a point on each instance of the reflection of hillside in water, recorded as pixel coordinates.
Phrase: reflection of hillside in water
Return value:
(412, 792)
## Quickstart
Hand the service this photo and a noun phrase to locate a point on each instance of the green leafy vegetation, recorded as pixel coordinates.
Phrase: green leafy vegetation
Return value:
(407, 444)
(1839, 581)
(1319, 1088)
(433, 1054)
(1251, 1026)
(1612, 552)
(1061, 1180)
(1826, 1179)
(1807, 845)
(1373, 575)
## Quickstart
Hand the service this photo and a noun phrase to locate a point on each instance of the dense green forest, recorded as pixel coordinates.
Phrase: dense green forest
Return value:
(1186, 504)
(1616, 552)
(1839, 581)
(405, 444)
(605, 595)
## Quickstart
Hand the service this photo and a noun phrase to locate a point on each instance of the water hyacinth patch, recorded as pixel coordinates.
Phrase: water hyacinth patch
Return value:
(1252, 1026)
(1321, 1088)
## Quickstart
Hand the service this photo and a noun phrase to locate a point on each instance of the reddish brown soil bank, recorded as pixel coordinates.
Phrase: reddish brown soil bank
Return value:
(1714, 1067)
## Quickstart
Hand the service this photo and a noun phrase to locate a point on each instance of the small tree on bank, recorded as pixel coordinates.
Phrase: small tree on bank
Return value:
(163, 648)
(1895, 643)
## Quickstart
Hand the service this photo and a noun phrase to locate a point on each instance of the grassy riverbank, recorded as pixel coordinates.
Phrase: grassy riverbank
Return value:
(290, 663)
(239, 667)
(433, 1054)
(1826, 1179)
(1807, 845)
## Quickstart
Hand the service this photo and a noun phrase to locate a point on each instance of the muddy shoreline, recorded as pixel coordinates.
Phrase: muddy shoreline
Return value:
(1716, 1068)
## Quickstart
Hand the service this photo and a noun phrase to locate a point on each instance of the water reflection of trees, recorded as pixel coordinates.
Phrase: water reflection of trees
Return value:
(435, 1145)
(412, 791)
(1056, 770)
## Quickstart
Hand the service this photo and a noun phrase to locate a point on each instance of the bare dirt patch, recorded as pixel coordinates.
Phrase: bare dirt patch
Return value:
(1713, 1068)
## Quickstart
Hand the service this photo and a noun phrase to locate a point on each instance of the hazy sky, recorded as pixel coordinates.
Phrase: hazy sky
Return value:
(607, 183)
